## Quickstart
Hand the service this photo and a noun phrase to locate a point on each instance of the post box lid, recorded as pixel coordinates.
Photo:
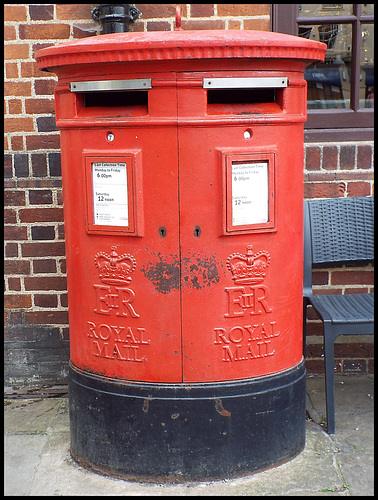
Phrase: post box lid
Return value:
(180, 45)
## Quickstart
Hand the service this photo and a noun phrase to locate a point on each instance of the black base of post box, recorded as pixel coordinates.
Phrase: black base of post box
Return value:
(178, 432)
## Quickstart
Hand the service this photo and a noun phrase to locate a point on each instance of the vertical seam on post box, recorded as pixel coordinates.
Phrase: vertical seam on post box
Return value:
(179, 225)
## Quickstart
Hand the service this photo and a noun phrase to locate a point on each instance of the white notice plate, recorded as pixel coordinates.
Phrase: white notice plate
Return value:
(250, 193)
(110, 204)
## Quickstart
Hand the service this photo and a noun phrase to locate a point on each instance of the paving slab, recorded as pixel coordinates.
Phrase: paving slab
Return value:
(38, 461)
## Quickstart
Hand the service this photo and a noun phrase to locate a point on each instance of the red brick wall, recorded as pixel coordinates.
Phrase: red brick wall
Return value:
(36, 309)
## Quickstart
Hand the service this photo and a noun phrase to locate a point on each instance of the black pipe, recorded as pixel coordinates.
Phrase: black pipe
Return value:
(115, 17)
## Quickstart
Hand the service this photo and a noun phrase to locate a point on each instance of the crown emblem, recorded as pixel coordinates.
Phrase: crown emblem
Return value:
(115, 269)
(249, 268)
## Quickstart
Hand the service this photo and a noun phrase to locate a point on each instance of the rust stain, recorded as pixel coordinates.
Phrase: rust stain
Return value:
(220, 409)
(196, 271)
(145, 406)
(163, 274)
(200, 271)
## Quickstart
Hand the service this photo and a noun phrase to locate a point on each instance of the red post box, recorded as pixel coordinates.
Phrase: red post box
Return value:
(182, 165)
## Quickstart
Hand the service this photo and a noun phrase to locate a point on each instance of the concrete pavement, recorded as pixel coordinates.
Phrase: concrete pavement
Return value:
(38, 462)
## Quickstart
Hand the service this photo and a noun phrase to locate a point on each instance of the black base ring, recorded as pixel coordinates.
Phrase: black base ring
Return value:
(178, 432)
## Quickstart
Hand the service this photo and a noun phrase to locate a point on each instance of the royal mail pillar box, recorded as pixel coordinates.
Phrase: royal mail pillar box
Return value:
(182, 166)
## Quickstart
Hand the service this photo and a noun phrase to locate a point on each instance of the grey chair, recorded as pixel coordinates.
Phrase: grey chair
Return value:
(338, 231)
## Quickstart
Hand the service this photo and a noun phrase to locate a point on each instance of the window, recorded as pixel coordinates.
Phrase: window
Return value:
(340, 98)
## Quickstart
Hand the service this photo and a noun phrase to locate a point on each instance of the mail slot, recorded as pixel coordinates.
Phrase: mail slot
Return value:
(182, 166)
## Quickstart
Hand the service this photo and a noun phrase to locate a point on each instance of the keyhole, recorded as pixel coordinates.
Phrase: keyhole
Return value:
(163, 231)
(197, 231)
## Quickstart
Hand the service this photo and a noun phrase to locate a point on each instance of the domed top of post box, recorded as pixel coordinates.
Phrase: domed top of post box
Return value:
(180, 45)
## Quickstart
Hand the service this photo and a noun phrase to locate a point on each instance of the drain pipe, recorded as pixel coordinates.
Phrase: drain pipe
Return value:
(115, 17)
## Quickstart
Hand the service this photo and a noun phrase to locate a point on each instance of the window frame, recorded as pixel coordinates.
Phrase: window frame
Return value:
(332, 124)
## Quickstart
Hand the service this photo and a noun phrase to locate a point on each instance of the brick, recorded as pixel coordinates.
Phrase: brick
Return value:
(210, 24)
(322, 190)
(234, 25)
(8, 164)
(55, 165)
(30, 70)
(47, 317)
(46, 124)
(42, 141)
(40, 196)
(320, 277)
(84, 30)
(15, 13)
(43, 249)
(353, 291)
(44, 266)
(329, 157)
(352, 277)
(347, 155)
(364, 157)
(16, 51)
(315, 350)
(151, 10)
(11, 70)
(158, 26)
(10, 216)
(15, 233)
(15, 107)
(9, 33)
(11, 250)
(201, 9)
(257, 24)
(17, 89)
(45, 300)
(60, 197)
(359, 189)
(14, 198)
(138, 26)
(74, 11)
(21, 165)
(64, 300)
(17, 142)
(45, 283)
(313, 158)
(15, 318)
(353, 350)
(16, 267)
(17, 301)
(314, 366)
(24, 124)
(354, 175)
(14, 284)
(236, 10)
(43, 233)
(39, 165)
(41, 214)
(62, 264)
(44, 31)
(61, 235)
(41, 12)
(39, 183)
(354, 366)
(45, 87)
(39, 106)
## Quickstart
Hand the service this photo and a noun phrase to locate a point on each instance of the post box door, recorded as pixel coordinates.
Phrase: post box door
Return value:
(241, 187)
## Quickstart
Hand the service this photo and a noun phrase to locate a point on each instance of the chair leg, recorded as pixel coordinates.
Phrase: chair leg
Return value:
(329, 380)
(304, 329)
